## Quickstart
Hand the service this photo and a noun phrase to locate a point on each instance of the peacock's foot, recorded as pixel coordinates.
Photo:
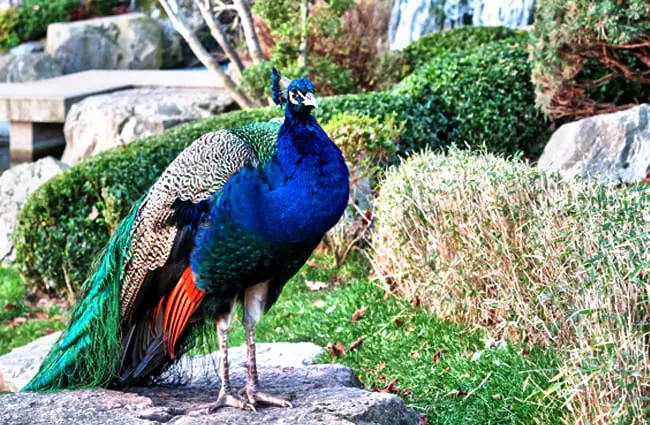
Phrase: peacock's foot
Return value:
(258, 397)
(231, 400)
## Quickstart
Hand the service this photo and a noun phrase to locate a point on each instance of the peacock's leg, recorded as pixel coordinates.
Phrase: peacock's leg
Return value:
(226, 397)
(254, 303)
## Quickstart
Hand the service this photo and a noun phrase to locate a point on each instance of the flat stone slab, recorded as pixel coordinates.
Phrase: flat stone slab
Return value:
(321, 394)
(49, 100)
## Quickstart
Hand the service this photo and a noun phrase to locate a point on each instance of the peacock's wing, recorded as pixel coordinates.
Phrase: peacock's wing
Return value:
(166, 221)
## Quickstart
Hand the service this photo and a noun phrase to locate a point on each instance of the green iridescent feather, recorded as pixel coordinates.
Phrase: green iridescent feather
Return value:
(261, 136)
(87, 354)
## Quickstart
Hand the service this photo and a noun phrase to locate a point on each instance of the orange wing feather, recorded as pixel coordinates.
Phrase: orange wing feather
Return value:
(179, 305)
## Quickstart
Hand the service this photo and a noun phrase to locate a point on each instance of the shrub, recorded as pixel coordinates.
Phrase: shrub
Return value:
(488, 92)
(424, 120)
(342, 42)
(8, 22)
(368, 143)
(592, 57)
(497, 245)
(385, 70)
(436, 44)
(355, 47)
(35, 15)
(69, 219)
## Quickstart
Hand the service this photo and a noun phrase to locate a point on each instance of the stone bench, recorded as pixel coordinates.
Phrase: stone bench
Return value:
(37, 110)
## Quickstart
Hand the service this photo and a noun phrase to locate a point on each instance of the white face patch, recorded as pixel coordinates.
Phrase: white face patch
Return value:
(294, 95)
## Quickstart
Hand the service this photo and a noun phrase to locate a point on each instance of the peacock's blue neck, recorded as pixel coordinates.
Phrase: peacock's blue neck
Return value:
(300, 193)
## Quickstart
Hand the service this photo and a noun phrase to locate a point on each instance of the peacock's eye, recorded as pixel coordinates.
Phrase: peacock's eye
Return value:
(292, 96)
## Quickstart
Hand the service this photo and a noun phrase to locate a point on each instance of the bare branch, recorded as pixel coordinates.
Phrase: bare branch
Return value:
(304, 37)
(218, 34)
(244, 11)
(195, 44)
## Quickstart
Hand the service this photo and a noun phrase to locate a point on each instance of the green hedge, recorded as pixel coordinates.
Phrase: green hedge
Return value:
(29, 21)
(459, 39)
(488, 92)
(69, 219)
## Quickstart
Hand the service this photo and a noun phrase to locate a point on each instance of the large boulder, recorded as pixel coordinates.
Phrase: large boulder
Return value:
(101, 122)
(21, 364)
(613, 148)
(321, 394)
(28, 62)
(176, 52)
(129, 41)
(16, 184)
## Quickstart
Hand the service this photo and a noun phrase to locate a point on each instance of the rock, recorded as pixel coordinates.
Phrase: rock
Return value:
(100, 122)
(191, 14)
(411, 19)
(176, 53)
(614, 148)
(21, 364)
(323, 394)
(29, 47)
(16, 184)
(28, 62)
(6, 386)
(129, 41)
(5, 4)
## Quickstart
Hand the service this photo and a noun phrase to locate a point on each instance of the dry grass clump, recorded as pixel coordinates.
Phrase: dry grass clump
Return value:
(494, 243)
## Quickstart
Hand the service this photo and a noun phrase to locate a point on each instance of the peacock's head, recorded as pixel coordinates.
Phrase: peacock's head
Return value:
(298, 95)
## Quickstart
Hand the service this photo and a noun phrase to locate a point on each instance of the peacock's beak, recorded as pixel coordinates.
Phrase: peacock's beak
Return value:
(310, 100)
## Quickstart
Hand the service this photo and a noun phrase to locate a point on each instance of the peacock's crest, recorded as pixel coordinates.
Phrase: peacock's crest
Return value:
(279, 86)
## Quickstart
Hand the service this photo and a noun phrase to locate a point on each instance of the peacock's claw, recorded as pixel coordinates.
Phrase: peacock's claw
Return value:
(230, 400)
(258, 397)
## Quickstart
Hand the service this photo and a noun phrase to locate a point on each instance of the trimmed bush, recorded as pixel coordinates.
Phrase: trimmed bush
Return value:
(441, 43)
(488, 92)
(423, 118)
(367, 142)
(494, 244)
(35, 15)
(69, 219)
(8, 23)
(591, 57)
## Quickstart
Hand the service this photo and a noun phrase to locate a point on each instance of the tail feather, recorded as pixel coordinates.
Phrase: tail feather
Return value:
(88, 353)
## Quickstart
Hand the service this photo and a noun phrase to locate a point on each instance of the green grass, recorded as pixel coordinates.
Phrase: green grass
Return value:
(14, 304)
(465, 383)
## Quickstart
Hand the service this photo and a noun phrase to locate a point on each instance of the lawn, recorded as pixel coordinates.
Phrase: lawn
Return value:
(22, 319)
(441, 369)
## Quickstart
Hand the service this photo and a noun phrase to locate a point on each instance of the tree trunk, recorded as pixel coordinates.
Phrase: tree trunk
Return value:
(244, 10)
(304, 41)
(197, 48)
(217, 33)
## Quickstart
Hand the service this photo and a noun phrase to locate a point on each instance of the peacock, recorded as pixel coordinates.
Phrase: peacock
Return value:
(230, 221)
